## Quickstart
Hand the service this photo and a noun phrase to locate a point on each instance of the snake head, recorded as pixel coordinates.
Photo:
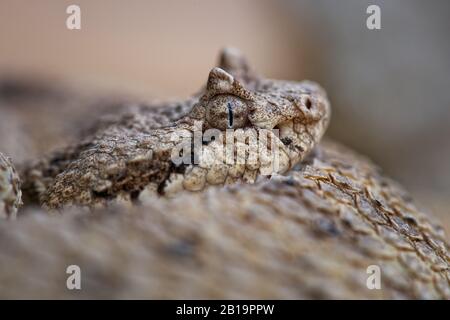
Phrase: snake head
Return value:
(236, 98)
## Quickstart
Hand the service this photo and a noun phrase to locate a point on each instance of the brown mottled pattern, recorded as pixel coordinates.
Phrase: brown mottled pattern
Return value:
(310, 231)
(134, 152)
(311, 234)
(10, 194)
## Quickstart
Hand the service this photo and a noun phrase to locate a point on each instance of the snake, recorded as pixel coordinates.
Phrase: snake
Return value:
(312, 228)
(141, 150)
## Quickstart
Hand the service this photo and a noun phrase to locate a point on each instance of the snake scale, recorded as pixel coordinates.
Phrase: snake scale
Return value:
(310, 229)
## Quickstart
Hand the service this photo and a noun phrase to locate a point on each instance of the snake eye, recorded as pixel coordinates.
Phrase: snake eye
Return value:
(226, 112)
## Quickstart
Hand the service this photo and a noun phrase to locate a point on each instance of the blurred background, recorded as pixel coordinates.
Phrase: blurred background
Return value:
(389, 88)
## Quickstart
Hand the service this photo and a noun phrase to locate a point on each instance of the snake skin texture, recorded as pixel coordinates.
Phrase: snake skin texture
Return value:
(10, 193)
(310, 231)
(136, 151)
(311, 235)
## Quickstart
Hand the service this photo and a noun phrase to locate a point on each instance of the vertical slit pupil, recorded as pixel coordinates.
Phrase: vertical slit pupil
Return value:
(230, 115)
